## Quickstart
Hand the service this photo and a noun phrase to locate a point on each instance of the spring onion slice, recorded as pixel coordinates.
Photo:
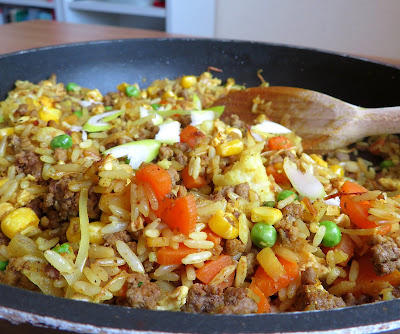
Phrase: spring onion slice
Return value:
(196, 102)
(137, 151)
(169, 133)
(305, 184)
(157, 119)
(99, 122)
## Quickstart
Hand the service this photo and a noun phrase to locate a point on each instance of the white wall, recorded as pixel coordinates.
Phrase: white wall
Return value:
(363, 27)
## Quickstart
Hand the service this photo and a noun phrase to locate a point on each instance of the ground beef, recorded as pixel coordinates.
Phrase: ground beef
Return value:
(235, 121)
(309, 276)
(15, 143)
(396, 291)
(251, 262)
(14, 277)
(236, 301)
(21, 111)
(292, 211)
(286, 230)
(184, 147)
(3, 239)
(67, 202)
(60, 154)
(29, 162)
(182, 191)
(51, 272)
(313, 297)
(242, 190)
(385, 254)
(203, 299)
(222, 193)
(174, 175)
(166, 152)
(111, 239)
(141, 293)
(35, 205)
(234, 247)
(186, 120)
(149, 131)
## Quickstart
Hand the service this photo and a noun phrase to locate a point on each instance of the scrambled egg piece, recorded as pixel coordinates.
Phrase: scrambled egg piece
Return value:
(175, 300)
(249, 169)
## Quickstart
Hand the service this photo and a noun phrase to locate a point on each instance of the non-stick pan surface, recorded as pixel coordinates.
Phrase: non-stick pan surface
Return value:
(104, 65)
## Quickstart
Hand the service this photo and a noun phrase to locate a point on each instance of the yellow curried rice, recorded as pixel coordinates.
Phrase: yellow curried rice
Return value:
(96, 230)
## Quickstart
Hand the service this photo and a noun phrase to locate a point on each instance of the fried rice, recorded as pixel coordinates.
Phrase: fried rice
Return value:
(151, 198)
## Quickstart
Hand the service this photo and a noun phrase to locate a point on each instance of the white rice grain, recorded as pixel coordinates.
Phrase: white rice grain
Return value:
(196, 257)
(130, 257)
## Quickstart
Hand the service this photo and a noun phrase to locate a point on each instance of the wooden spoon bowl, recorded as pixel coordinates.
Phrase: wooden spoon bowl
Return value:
(324, 122)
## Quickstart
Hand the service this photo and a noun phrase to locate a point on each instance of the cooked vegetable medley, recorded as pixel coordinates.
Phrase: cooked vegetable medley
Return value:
(153, 198)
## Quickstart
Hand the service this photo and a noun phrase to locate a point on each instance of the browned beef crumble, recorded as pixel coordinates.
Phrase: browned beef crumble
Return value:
(242, 190)
(385, 254)
(236, 301)
(203, 299)
(316, 298)
(309, 276)
(28, 162)
(3, 239)
(165, 152)
(234, 247)
(141, 293)
(61, 154)
(111, 239)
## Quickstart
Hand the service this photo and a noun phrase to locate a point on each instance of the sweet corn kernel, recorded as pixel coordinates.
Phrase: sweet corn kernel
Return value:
(143, 94)
(319, 160)
(338, 170)
(122, 87)
(5, 208)
(6, 132)
(18, 220)
(266, 215)
(221, 226)
(95, 236)
(232, 147)
(169, 93)
(46, 101)
(95, 95)
(50, 114)
(74, 231)
(234, 132)
(153, 90)
(188, 81)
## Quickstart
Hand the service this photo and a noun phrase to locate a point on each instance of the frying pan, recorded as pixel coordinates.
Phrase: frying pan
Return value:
(105, 64)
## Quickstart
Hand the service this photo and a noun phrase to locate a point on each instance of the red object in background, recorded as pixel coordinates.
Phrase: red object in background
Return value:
(159, 3)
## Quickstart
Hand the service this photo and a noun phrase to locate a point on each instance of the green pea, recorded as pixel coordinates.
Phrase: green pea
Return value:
(71, 87)
(332, 234)
(108, 108)
(263, 235)
(63, 141)
(285, 194)
(132, 91)
(3, 265)
(156, 106)
(64, 248)
(78, 113)
(387, 164)
(270, 204)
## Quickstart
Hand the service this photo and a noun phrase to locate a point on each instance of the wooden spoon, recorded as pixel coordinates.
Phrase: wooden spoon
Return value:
(324, 122)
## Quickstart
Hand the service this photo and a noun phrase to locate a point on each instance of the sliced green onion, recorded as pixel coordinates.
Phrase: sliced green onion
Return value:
(196, 102)
(3, 265)
(78, 113)
(99, 122)
(169, 132)
(136, 152)
(64, 248)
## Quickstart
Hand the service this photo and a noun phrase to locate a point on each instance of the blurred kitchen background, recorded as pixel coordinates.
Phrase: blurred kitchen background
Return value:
(361, 27)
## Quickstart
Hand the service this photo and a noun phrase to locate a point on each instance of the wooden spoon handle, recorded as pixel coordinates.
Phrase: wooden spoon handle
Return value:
(379, 121)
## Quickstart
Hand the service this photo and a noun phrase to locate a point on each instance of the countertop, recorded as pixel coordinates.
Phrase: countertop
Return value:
(35, 34)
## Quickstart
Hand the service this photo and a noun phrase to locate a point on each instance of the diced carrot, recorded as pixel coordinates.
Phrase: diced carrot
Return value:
(368, 282)
(181, 214)
(122, 292)
(346, 245)
(228, 282)
(263, 305)
(157, 178)
(163, 206)
(268, 286)
(168, 255)
(211, 236)
(191, 182)
(376, 147)
(279, 143)
(357, 211)
(212, 268)
(280, 178)
(190, 135)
